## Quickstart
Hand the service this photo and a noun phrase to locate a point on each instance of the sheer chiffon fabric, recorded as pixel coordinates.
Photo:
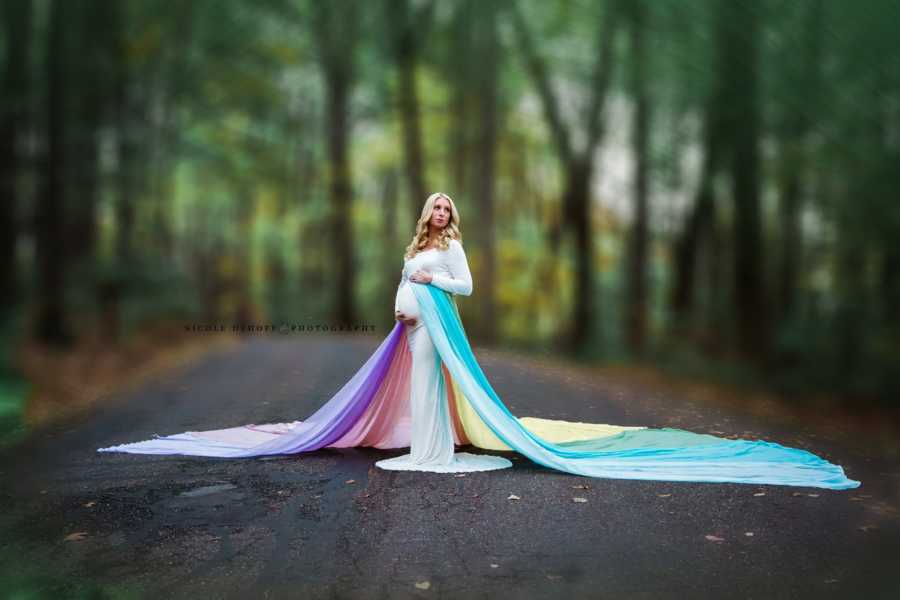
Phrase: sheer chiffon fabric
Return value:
(423, 389)
(431, 436)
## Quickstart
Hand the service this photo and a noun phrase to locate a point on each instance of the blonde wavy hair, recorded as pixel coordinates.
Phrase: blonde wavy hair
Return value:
(450, 231)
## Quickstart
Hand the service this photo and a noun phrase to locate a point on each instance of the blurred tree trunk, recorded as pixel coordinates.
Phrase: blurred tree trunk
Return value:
(16, 16)
(127, 179)
(126, 151)
(790, 231)
(794, 161)
(176, 73)
(409, 29)
(335, 27)
(636, 312)
(52, 325)
(578, 165)
(740, 26)
(460, 74)
(890, 290)
(889, 270)
(391, 259)
(852, 299)
(697, 227)
(488, 49)
(241, 279)
(90, 94)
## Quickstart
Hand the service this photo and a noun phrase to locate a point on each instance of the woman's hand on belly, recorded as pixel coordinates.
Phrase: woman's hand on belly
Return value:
(411, 321)
(421, 276)
(406, 303)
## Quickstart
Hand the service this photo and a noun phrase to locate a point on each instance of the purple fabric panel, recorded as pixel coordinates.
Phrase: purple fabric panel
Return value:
(337, 416)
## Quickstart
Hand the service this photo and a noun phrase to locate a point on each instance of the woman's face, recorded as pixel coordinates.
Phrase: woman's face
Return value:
(440, 213)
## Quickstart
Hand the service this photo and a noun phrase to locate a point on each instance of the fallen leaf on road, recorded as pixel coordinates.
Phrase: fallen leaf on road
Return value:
(513, 497)
(76, 537)
(579, 499)
(89, 504)
(663, 495)
(714, 538)
(423, 585)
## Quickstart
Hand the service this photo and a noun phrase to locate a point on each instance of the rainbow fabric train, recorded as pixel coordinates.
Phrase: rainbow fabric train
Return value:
(372, 409)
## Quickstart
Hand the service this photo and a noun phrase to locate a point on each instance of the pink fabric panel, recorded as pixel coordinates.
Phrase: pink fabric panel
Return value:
(386, 422)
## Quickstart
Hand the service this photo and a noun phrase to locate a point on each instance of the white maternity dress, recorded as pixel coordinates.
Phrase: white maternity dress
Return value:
(431, 440)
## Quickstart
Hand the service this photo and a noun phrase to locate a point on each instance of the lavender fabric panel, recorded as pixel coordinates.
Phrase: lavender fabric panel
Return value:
(337, 416)
(328, 424)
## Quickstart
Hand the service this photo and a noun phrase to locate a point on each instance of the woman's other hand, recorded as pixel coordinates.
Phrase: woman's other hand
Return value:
(411, 321)
(421, 276)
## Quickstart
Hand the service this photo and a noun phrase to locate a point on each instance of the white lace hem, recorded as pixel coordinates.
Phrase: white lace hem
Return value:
(463, 462)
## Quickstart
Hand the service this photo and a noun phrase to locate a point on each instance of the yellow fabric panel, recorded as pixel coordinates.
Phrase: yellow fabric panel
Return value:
(552, 430)
(477, 431)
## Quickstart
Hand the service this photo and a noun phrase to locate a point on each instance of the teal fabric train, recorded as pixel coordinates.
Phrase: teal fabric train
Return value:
(663, 454)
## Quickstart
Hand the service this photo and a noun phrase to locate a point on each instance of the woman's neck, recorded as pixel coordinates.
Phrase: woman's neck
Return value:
(433, 237)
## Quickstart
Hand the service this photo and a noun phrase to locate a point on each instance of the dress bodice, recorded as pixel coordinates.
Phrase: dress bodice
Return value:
(449, 270)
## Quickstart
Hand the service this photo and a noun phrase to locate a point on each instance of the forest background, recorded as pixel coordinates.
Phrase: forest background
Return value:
(706, 188)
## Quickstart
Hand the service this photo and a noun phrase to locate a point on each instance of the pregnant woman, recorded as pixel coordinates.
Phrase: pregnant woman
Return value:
(423, 389)
(434, 256)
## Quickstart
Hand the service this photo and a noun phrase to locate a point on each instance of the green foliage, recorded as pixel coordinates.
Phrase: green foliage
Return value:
(14, 388)
(231, 181)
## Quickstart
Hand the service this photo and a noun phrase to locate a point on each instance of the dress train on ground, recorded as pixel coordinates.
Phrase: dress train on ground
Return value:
(373, 409)
(431, 436)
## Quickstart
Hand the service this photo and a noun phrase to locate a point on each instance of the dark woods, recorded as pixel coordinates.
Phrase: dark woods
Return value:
(689, 184)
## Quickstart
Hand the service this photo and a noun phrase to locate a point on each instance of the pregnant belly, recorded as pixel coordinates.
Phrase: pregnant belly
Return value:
(406, 301)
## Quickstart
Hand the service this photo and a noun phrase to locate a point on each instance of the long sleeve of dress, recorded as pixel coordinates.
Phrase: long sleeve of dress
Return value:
(397, 294)
(461, 280)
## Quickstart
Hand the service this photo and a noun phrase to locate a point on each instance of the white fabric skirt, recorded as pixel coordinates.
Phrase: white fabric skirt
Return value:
(431, 439)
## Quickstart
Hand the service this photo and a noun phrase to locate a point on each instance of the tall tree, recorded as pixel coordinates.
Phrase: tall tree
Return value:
(16, 16)
(409, 29)
(126, 123)
(335, 26)
(52, 325)
(697, 227)
(461, 69)
(740, 26)
(699, 236)
(636, 312)
(90, 96)
(488, 110)
(799, 119)
(577, 163)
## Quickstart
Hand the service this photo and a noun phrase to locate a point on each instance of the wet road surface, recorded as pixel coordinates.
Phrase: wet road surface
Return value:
(328, 524)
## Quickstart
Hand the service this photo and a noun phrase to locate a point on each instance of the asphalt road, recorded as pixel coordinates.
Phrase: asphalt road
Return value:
(80, 523)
